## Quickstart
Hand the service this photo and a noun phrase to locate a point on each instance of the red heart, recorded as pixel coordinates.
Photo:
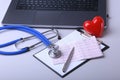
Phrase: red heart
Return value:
(94, 27)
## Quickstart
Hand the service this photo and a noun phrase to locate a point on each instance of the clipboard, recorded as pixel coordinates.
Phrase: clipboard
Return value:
(44, 58)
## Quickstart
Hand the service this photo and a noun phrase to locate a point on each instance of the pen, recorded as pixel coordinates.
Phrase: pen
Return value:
(67, 63)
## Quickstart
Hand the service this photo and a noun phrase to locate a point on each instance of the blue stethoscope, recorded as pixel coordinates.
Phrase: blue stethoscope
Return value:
(54, 51)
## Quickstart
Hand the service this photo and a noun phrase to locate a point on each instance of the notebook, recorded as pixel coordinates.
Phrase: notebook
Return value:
(57, 64)
(54, 13)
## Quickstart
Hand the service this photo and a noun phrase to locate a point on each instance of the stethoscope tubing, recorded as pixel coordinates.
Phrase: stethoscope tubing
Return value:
(25, 29)
(31, 31)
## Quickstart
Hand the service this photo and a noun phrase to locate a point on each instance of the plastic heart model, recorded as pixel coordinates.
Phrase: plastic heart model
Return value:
(94, 27)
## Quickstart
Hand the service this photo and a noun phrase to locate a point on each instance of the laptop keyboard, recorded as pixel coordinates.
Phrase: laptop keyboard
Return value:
(58, 5)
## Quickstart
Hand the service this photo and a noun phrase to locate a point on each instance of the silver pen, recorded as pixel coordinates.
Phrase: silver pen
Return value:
(67, 63)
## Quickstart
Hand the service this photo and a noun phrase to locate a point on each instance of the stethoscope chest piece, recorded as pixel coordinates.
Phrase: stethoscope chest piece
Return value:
(54, 51)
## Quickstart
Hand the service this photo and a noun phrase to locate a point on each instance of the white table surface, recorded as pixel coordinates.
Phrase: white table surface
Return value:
(26, 67)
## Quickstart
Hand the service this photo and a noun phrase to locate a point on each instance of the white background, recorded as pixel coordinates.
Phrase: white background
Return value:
(26, 67)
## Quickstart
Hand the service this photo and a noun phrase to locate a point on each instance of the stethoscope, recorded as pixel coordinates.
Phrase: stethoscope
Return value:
(54, 51)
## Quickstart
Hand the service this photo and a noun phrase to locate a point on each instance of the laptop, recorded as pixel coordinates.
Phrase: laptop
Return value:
(53, 13)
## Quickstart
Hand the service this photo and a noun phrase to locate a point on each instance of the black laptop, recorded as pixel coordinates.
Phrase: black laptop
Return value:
(53, 13)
